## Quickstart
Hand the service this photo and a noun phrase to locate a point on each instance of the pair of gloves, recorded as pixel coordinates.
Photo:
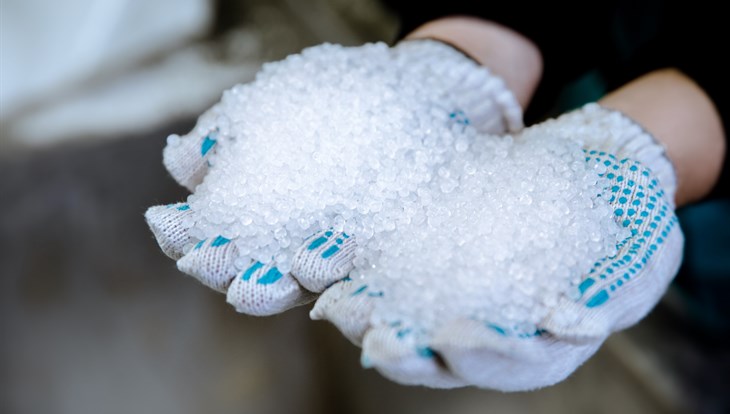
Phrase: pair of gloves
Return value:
(614, 294)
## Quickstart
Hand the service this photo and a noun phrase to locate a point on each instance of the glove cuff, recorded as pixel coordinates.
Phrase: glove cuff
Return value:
(484, 97)
(613, 132)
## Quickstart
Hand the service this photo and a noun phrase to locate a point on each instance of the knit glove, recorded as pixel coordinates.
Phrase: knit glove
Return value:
(614, 294)
(257, 287)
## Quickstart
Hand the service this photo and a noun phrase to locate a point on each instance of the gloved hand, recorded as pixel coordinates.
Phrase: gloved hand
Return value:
(480, 99)
(614, 294)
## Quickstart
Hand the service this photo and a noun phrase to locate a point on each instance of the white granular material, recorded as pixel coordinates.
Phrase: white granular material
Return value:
(449, 223)
(522, 228)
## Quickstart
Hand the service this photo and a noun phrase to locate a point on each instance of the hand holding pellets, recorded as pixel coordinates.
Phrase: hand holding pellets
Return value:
(366, 173)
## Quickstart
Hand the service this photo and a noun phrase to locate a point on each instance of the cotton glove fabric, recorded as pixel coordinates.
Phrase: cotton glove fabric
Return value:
(614, 294)
(256, 288)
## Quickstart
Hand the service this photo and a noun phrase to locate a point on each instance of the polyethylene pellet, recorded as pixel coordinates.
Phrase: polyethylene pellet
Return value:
(449, 223)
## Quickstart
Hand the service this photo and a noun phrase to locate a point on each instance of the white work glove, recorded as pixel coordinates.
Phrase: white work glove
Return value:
(479, 99)
(614, 294)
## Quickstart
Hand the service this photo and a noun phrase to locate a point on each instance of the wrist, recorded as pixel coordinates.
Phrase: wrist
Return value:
(680, 115)
(505, 52)
(488, 103)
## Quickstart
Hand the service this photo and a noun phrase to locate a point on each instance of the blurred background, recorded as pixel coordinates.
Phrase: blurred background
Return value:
(95, 319)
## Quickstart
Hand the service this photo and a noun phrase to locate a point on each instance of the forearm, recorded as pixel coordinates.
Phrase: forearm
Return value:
(506, 53)
(682, 117)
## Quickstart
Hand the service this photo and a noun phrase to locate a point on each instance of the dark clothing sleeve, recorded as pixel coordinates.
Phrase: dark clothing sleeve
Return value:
(619, 40)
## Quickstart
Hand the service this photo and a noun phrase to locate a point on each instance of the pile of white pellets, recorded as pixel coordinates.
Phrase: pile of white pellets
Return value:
(449, 223)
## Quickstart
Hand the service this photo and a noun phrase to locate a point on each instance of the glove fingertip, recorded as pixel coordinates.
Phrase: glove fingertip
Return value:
(261, 290)
(186, 158)
(167, 223)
